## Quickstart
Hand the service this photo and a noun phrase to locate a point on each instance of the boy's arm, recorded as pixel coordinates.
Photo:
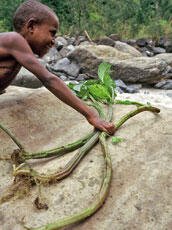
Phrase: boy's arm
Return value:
(21, 51)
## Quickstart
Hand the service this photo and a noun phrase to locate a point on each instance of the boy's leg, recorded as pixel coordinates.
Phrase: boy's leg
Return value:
(2, 91)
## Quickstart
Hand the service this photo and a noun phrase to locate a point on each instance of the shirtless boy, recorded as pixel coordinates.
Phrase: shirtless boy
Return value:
(35, 27)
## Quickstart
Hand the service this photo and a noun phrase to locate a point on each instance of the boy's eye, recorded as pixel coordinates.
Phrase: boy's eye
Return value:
(53, 33)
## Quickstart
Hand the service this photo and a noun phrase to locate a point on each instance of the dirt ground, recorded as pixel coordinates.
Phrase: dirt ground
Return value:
(140, 196)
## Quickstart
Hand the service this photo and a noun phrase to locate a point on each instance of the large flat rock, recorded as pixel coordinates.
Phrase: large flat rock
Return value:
(141, 193)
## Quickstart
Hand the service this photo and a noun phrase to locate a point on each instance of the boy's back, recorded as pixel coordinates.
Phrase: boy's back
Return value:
(9, 67)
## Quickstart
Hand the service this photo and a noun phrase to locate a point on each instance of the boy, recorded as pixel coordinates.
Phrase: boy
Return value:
(35, 27)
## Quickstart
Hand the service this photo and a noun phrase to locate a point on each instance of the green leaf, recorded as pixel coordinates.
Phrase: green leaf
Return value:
(77, 87)
(108, 81)
(91, 82)
(100, 91)
(116, 140)
(149, 104)
(70, 85)
(104, 69)
(94, 97)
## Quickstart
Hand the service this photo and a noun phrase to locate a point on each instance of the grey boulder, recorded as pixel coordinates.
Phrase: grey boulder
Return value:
(65, 66)
(126, 67)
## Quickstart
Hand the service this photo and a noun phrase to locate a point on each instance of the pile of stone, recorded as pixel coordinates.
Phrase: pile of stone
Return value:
(135, 63)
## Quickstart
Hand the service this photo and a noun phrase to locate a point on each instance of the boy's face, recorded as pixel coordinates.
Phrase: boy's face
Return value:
(43, 36)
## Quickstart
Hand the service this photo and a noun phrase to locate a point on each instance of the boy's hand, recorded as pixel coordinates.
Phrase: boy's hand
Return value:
(102, 125)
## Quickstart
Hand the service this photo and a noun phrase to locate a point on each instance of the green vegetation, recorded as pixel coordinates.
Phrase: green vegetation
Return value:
(129, 18)
(101, 89)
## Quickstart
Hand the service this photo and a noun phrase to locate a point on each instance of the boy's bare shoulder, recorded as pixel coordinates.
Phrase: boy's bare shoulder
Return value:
(9, 39)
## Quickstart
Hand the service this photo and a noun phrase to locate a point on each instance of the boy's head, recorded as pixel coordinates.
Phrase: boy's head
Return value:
(38, 24)
(31, 9)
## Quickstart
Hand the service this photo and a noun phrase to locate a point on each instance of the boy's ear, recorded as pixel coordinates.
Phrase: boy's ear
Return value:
(32, 22)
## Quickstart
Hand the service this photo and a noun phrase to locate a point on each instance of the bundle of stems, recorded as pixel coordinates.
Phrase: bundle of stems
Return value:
(88, 142)
(101, 196)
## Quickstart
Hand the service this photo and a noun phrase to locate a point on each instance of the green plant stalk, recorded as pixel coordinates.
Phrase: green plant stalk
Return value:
(100, 198)
(106, 182)
(128, 103)
(98, 107)
(58, 151)
(83, 150)
(12, 137)
(69, 166)
(135, 112)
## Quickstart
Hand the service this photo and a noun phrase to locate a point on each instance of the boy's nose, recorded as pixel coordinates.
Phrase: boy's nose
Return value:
(53, 41)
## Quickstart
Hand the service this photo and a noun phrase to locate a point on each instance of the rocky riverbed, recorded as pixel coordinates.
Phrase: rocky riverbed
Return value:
(78, 59)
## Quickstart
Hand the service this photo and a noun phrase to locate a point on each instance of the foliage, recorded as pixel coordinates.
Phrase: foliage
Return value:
(101, 89)
(116, 140)
(129, 18)
(7, 9)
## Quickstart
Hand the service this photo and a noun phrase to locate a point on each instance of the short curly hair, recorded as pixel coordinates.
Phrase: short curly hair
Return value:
(31, 9)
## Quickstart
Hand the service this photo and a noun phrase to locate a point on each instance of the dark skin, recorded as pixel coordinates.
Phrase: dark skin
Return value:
(18, 48)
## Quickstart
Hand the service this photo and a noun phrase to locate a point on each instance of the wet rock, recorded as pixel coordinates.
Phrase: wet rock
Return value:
(65, 66)
(65, 50)
(70, 40)
(115, 37)
(80, 78)
(89, 57)
(130, 89)
(61, 40)
(121, 84)
(52, 55)
(131, 42)
(106, 41)
(166, 43)
(149, 54)
(127, 89)
(26, 79)
(85, 43)
(166, 84)
(158, 50)
(126, 67)
(80, 39)
(142, 42)
(136, 86)
(118, 90)
(72, 78)
(123, 47)
(59, 45)
(63, 78)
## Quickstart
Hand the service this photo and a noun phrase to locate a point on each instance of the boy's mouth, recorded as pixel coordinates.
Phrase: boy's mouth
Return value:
(49, 47)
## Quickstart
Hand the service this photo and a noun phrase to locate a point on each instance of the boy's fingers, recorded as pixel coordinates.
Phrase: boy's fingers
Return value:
(110, 128)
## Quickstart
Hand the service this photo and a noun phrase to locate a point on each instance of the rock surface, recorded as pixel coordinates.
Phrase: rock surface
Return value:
(126, 67)
(123, 47)
(26, 79)
(140, 195)
(111, 49)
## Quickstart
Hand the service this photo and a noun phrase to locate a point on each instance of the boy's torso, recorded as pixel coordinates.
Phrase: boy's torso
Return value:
(9, 67)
